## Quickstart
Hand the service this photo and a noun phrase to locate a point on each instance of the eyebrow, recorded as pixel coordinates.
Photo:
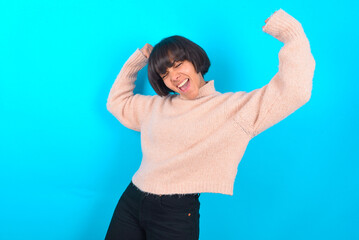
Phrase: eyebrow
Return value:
(172, 63)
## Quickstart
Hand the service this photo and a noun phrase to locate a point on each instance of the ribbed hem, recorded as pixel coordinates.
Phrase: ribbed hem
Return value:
(224, 187)
(129, 71)
(136, 62)
(284, 27)
(128, 74)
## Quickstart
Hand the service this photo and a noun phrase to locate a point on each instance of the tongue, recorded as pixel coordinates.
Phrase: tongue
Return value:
(184, 86)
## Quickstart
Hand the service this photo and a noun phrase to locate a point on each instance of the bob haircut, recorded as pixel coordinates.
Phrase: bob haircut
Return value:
(166, 53)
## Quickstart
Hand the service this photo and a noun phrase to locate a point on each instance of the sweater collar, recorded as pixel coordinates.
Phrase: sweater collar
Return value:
(206, 90)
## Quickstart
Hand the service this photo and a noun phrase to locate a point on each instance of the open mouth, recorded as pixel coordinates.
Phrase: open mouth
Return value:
(184, 85)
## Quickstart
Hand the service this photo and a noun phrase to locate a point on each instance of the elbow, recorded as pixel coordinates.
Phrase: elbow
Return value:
(110, 106)
(306, 98)
(113, 102)
(309, 87)
(305, 90)
(301, 92)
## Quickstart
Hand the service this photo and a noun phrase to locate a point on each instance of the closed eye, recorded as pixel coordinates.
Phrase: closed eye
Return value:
(164, 76)
(176, 66)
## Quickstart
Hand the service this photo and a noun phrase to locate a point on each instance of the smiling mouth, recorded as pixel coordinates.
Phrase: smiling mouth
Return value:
(184, 85)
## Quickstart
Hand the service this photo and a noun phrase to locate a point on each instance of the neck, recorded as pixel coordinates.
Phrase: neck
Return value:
(206, 89)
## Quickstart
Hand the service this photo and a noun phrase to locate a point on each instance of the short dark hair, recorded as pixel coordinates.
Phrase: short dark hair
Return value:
(169, 50)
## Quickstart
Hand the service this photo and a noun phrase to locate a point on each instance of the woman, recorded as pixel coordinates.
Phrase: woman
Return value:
(192, 136)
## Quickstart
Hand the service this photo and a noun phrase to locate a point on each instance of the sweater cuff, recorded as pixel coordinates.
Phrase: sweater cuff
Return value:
(136, 61)
(284, 27)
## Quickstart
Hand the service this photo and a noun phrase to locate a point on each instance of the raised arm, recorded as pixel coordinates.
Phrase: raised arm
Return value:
(291, 86)
(128, 108)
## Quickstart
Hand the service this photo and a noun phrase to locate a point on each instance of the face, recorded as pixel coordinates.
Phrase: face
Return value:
(183, 79)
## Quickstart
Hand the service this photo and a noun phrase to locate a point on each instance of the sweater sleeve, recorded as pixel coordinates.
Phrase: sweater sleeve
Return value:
(291, 86)
(128, 108)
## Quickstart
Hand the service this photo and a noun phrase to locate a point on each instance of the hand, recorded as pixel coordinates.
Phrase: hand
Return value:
(268, 19)
(146, 50)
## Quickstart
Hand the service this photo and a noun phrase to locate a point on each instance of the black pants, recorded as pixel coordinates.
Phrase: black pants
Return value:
(139, 215)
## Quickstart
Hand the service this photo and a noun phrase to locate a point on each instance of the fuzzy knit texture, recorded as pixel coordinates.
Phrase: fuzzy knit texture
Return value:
(194, 146)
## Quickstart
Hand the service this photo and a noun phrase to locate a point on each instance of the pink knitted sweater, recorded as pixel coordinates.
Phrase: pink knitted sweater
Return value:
(194, 146)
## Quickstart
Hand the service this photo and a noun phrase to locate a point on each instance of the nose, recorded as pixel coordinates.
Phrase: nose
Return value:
(175, 76)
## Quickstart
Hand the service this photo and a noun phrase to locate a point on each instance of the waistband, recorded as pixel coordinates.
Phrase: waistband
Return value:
(160, 195)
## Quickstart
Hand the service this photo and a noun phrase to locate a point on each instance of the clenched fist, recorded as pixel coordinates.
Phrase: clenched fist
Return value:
(146, 50)
(268, 19)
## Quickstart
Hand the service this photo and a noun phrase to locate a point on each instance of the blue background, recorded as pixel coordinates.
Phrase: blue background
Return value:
(65, 160)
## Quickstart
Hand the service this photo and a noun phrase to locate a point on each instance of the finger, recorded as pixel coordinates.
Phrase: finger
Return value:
(269, 17)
